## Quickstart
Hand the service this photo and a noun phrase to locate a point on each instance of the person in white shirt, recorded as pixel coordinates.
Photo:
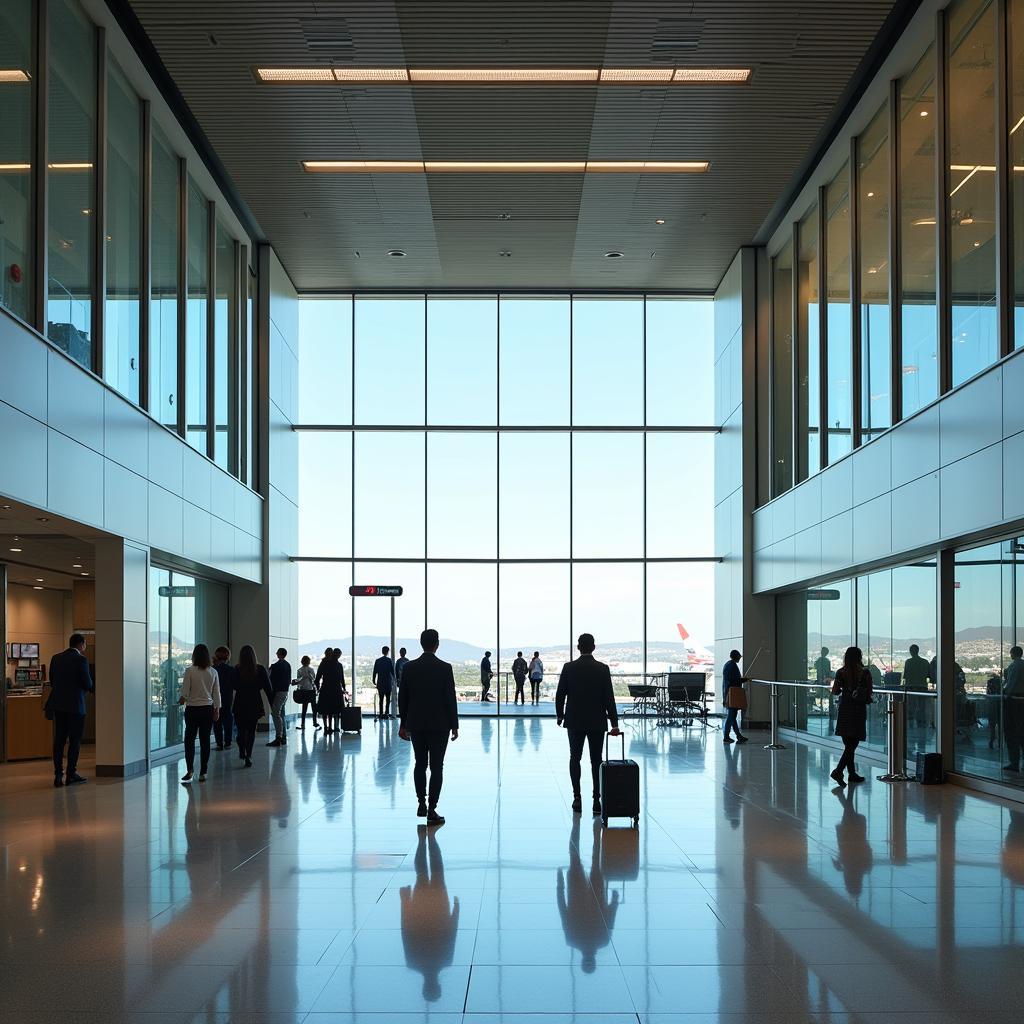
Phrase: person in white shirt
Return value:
(200, 696)
(305, 685)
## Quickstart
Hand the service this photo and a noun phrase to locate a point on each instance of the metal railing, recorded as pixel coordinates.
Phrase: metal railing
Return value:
(896, 712)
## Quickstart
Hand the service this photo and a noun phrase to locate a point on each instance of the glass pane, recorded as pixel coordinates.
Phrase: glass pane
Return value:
(325, 611)
(534, 495)
(680, 362)
(874, 638)
(325, 361)
(325, 493)
(608, 601)
(914, 626)
(462, 495)
(124, 215)
(782, 370)
(250, 395)
(389, 360)
(71, 180)
(163, 308)
(17, 144)
(534, 361)
(837, 282)
(873, 214)
(680, 518)
(534, 602)
(225, 355)
(808, 351)
(389, 494)
(608, 496)
(607, 361)
(971, 205)
(680, 617)
(373, 620)
(462, 607)
(196, 318)
(920, 370)
(462, 361)
(1016, 155)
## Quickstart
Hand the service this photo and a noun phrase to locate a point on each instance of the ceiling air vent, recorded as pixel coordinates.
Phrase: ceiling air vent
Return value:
(324, 35)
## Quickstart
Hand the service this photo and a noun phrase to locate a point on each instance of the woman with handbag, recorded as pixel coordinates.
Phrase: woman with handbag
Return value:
(305, 691)
(734, 697)
(853, 688)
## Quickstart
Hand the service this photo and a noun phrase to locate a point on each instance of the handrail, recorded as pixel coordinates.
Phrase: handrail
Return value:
(828, 686)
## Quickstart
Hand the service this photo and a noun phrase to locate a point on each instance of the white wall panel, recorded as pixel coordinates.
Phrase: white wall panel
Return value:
(807, 503)
(971, 419)
(872, 529)
(125, 503)
(23, 380)
(971, 492)
(222, 498)
(1013, 476)
(1013, 396)
(74, 402)
(222, 543)
(784, 517)
(807, 553)
(915, 447)
(196, 473)
(197, 528)
(23, 456)
(165, 519)
(837, 488)
(764, 521)
(872, 470)
(74, 474)
(915, 513)
(837, 542)
(125, 434)
(166, 458)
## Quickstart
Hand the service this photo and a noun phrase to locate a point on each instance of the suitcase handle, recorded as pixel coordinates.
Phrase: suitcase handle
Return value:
(607, 738)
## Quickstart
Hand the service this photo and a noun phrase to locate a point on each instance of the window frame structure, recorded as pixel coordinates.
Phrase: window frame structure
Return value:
(936, 47)
(244, 436)
(354, 428)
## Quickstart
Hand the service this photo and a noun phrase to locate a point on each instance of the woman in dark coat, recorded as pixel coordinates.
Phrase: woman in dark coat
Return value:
(331, 674)
(251, 684)
(853, 688)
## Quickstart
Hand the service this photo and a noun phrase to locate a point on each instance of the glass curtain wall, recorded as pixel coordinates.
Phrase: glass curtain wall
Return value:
(839, 341)
(808, 354)
(1015, 15)
(478, 452)
(782, 370)
(891, 616)
(17, 152)
(196, 319)
(71, 180)
(225, 354)
(165, 248)
(123, 241)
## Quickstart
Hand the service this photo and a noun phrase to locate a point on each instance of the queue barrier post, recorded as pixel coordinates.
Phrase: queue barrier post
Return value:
(897, 714)
(775, 743)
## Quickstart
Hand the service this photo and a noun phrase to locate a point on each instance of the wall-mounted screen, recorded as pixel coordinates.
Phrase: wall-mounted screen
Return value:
(30, 650)
(14, 651)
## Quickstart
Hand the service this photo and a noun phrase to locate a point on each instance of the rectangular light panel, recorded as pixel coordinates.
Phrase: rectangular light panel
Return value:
(13, 75)
(711, 75)
(627, 75)
(284, 75)
(506, 166)
(503, 74)
(512, 76)
(371, 75)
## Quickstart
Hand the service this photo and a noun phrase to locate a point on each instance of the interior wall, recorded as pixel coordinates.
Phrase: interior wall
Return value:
(39, 616)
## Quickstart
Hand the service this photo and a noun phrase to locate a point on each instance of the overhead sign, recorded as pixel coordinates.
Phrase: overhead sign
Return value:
(374, 590)
(177, 591)
(823, 595)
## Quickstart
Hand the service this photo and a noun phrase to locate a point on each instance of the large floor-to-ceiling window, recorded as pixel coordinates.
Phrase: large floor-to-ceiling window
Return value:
(526, 468)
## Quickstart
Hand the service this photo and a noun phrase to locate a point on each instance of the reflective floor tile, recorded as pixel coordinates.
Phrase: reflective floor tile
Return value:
(722, 989)
(548, 990)
(402, 988)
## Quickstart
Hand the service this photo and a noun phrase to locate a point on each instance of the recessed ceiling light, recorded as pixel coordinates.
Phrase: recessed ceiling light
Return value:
(81, 166)
(15, 167)
(711, 75)
(924, 113)
(39, 579)
(613, 255)
(13, 75)
(77, 565)
(659, 220)
(16, 550)
(505, 252)
(295, 74)
(37, 588)
(636, 74)
(871, 195)
(42, 519)
(6, 508)
(397, 254)
(370, 75)
(83, 574)
(506, 166)
(924, 222)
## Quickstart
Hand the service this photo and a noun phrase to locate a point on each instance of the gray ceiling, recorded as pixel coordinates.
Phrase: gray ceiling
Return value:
(803, 53)
(50, 546)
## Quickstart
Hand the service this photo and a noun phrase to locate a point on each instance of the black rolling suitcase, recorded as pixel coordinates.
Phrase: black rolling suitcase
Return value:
(351, 718)
(620, 788)
(929, 769)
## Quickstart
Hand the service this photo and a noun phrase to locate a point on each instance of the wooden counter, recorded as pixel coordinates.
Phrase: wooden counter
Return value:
(29, 734)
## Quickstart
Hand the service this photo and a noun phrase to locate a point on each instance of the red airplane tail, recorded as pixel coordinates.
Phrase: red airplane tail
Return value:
(682, 631)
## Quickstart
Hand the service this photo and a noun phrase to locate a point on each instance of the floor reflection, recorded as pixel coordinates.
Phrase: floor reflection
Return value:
(586, 907)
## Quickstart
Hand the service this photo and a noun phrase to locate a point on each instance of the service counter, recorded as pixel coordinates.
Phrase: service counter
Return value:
(29, 733)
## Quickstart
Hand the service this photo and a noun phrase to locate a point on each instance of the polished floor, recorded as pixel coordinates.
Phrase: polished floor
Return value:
(303, 890)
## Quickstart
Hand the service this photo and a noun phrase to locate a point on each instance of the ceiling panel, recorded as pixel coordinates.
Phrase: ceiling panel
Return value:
(333, 231)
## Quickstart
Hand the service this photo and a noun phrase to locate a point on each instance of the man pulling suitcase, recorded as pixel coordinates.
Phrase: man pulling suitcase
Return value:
(585, 704)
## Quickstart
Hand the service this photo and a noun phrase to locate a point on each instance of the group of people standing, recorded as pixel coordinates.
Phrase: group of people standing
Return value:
(520, 672)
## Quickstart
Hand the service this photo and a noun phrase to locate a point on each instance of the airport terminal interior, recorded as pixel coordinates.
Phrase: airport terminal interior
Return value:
(694, 327)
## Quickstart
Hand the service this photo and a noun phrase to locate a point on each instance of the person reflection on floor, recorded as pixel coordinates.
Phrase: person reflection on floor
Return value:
(486, 731)
(536, 732)
(732, 791)
(429, 923)
(519, 734)
(856, 857)
(588, 916)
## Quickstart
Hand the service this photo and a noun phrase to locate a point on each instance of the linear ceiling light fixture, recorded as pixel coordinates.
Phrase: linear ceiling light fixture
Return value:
(506, 166)
(14, 168)
(508, 76)
(13, 75)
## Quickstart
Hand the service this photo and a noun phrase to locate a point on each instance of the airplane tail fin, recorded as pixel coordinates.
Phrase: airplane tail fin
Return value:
(682, 631)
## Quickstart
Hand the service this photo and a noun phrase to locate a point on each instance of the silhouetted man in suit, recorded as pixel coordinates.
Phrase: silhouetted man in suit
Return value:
(585, 703)
(70, 681)
(428, 711)
(485, 677)
(384, 680)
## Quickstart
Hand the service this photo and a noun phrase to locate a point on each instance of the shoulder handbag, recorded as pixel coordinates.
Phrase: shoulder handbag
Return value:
(861, 693)
(736, 697)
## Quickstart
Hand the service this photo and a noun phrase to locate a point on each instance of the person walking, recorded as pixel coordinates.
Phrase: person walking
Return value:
(280, 683)
(1013, 709)
(731, 676)
(536, 677)
(486, 675)
(853, 687)
(519, 670)
(251, 684)
(305, 687)
(428, 712)
(399, 669)
(224, 726)
(585, 704)
(70, 681)
(200, 696)
(384, 681)
(331, 674)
